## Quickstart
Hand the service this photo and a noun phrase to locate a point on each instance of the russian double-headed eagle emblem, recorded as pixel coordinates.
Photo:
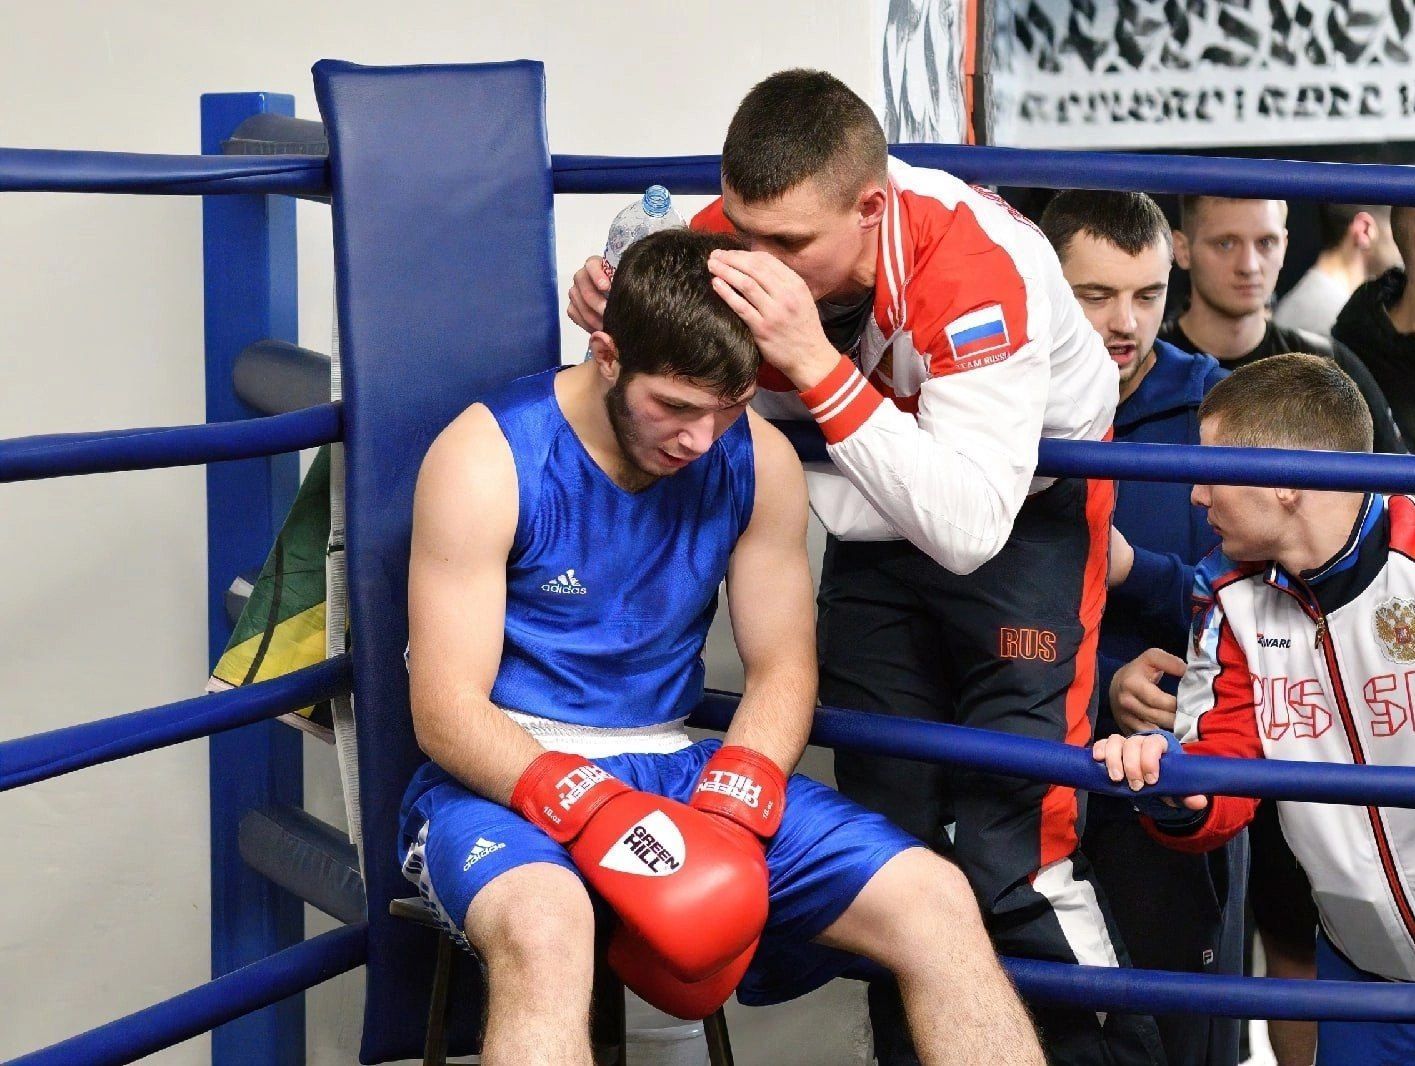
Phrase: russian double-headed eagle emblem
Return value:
(1394, 623)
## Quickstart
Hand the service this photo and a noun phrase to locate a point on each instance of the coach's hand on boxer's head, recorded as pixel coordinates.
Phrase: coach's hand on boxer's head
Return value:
(1136, 761)
(777, 306)
(1136, 700)
(1122, 558)
(587, 295)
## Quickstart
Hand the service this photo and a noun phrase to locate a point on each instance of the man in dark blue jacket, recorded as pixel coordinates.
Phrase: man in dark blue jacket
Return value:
(1174, 910)
(1166, 535)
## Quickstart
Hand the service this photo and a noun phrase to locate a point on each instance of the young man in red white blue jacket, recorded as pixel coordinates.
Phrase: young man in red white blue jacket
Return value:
(928, 330)
(1303, 649)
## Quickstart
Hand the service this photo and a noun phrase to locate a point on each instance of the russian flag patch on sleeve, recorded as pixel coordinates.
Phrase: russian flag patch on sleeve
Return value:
(979, 338)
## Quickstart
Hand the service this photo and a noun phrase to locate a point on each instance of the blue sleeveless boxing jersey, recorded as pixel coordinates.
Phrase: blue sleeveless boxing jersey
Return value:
(609, 594)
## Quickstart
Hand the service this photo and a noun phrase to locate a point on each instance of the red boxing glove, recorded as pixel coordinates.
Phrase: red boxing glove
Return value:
(680, 880)
(645, 975)
(745, 787)
(561, 792)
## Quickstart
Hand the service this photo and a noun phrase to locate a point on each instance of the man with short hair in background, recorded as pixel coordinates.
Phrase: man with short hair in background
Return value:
(1233, 250)
(1356, 246)
(1378, 324)
(1175, 911)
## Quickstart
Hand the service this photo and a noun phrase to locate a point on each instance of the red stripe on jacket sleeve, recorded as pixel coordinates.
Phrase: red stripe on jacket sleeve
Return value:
(1229, 729)
(842, 401)
(1402, 524)
(968, 272)
(711, 219)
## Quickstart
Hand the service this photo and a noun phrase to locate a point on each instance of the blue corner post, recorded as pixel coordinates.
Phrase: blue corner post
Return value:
(250, 290)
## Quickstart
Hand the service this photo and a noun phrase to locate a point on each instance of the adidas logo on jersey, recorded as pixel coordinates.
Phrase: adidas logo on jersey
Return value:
(480, 850)
(566, 585)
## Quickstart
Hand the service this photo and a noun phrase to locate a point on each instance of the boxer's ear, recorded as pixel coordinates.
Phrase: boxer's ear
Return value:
(606, 355)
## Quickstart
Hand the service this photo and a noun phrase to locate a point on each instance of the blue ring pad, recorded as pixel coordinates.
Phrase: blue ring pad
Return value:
(445, 269)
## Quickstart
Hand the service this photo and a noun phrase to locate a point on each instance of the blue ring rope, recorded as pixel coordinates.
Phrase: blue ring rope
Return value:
(1133, 991)
(1183, 463)
(1380, 183)
(60, 455)
(41, 756)
(1064, 764)
(203, 1008)
(45, 170)
(65, 454)
(1058, 984)
(49, 170)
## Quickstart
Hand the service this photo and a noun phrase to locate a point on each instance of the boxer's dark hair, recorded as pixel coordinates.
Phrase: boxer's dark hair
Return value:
(798, 125)
(1290, 401)
(1130, 221)
(665, 317)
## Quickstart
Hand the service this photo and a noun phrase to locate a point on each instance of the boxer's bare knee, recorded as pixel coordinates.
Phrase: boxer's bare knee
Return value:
(914, 900)
(534, 928)
(931, 889)
(535, 920)
(932, 902)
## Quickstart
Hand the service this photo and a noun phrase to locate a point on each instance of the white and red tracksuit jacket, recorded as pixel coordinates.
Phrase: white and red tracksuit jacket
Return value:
(982, 350)
(1318, 668)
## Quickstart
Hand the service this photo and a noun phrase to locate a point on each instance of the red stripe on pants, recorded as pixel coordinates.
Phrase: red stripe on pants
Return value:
(1059, 813)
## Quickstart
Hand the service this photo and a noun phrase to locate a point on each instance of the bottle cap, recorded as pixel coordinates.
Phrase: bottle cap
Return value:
(656, 201)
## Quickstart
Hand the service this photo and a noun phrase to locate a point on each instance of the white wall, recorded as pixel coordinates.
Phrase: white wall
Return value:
(104, 874)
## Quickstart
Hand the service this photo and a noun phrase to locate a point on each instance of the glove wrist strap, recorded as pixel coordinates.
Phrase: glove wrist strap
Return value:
(745, 787)
(560, 793)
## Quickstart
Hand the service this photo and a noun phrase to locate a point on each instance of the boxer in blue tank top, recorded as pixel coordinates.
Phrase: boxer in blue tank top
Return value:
(623, 585)
(570, 535)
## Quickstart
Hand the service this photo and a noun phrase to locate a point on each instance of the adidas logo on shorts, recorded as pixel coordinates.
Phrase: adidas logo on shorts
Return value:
(480, 850)
(566, 585)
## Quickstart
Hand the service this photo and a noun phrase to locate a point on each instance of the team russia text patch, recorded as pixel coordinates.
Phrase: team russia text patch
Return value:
(979, 338)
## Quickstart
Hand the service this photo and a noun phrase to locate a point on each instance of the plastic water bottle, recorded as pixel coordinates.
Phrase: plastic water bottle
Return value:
(649, 214)
(653, 1038)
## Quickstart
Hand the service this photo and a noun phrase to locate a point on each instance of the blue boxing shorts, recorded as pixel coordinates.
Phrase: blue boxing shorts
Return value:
(454, 843)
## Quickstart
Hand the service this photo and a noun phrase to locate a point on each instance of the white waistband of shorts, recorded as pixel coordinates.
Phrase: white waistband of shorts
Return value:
(596, 742)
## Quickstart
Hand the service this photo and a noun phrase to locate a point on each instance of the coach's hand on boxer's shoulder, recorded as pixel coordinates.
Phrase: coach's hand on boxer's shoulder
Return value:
(1122, 558)
(778, 308)
(587, 294)
(1136, 699)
